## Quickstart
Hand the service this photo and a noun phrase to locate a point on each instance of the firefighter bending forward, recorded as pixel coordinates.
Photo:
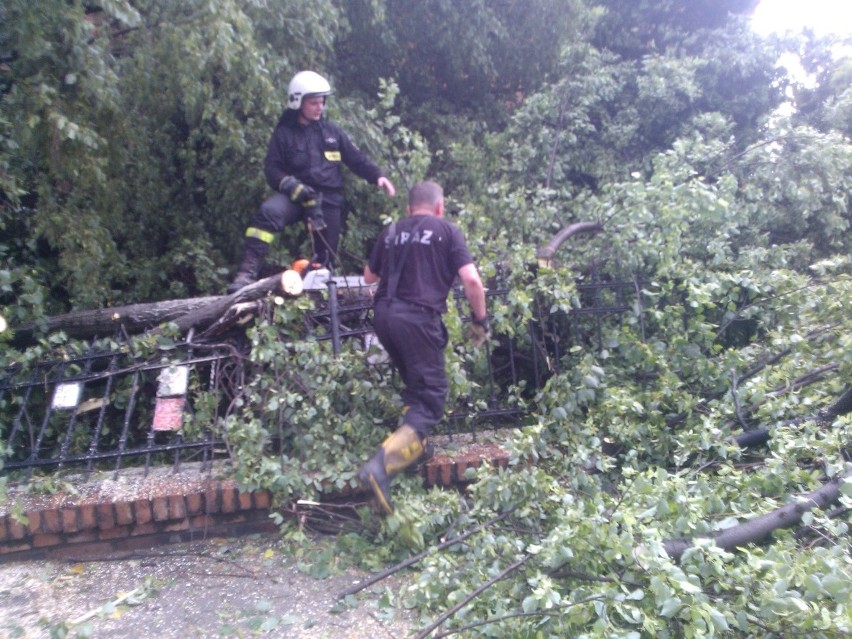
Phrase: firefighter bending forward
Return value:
(303, 166)
(416, 260)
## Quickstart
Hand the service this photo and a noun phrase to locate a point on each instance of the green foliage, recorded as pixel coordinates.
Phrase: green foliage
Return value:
(143, 126)
(635, 28)
(402, 152)
(305, 418)
(721, 185)
(478, 57)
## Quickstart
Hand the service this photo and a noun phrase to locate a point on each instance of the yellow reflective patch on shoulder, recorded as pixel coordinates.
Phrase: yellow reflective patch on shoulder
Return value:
(332, 156)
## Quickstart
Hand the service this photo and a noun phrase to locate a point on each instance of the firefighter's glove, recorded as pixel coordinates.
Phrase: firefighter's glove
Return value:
(296, 191)
(478, 331)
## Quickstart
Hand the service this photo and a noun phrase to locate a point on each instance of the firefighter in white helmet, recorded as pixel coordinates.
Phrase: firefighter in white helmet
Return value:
(303, 167)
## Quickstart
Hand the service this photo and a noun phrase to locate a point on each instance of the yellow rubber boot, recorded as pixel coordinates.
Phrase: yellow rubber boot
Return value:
(401, 449)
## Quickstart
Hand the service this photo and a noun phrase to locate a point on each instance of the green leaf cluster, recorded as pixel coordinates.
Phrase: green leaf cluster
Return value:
(131, 137)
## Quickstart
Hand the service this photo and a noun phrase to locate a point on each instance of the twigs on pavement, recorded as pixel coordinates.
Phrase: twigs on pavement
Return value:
(415, 558)
(431, 627)
(516, 615)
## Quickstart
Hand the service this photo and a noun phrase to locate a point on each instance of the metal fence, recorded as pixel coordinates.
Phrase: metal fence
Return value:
(115, 408)
(111, 407)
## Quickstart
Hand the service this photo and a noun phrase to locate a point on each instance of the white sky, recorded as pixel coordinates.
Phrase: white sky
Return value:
(823, 16)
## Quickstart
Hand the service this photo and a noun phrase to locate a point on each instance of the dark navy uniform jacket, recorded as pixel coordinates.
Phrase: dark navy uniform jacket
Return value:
(437, 251)
(313, 154)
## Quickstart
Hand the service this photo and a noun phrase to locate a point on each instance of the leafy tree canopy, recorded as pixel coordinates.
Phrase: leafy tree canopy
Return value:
(131, 136)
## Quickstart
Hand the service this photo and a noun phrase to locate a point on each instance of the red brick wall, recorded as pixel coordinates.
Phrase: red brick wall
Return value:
(63, 521)
(171, 508)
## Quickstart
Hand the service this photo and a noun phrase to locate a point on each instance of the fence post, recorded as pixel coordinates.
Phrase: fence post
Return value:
(334, 316)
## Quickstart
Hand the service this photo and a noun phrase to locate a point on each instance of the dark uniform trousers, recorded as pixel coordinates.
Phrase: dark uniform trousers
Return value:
(415, 338)
(278, 211)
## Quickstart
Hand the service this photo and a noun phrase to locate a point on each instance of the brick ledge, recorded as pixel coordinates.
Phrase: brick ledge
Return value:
(166, 507)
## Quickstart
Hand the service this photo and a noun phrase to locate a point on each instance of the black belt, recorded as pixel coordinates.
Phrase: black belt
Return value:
(411, 305)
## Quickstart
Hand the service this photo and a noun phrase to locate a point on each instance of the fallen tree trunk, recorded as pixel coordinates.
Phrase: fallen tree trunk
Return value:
(193, 313)
(761, 527)
(841, 407)
(103, 322)
(288, 283)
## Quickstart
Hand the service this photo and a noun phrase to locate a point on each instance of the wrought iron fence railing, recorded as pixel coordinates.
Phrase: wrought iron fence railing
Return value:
(105, 408)
(115, 408)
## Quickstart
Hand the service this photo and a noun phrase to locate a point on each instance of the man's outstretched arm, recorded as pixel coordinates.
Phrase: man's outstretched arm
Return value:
(474, 290)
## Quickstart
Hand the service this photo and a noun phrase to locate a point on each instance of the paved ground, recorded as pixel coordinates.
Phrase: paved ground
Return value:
(235, 587)
(244, 587)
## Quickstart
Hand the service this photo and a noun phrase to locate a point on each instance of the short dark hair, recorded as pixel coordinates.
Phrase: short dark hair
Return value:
(426, 194)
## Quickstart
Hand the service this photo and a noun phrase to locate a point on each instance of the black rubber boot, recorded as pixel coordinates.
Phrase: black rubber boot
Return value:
(401, 449)
(253, 256)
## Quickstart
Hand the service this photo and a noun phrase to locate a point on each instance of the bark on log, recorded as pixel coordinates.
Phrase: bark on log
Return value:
(757, 529)
(208, 316)
(761, 527)
(198, 313)
(841, 407)
(205, 315)
(758, 436)
(751, 438)
(103, 322)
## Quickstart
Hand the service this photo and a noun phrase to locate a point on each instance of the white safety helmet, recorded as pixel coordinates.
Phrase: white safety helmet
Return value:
(304, 85)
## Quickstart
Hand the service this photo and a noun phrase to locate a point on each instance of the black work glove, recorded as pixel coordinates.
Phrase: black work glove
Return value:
(313, 214)
(296, 191)
(477, 331)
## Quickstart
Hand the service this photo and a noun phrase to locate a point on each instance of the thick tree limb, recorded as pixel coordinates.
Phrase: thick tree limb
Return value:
(203, 316)
(758, 436)
(196, 313)
(545, 253)
(752, 438)
(103, 322)
(842, 406)
(759, 528)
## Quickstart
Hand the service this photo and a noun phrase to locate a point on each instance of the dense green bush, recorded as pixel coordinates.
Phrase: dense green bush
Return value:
(131, 137)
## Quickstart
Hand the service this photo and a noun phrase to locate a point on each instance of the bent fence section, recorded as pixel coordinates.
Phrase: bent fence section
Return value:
(113, 409)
